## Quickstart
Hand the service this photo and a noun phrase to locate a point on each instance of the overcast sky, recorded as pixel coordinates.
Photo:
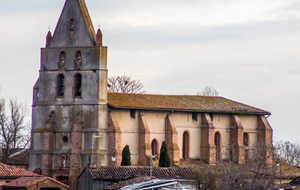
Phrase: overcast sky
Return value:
(249, 50)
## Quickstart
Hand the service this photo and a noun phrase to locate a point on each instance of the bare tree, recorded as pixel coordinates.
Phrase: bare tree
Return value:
(208, 91)
(204, 177)
(288, 152)
(255, 174)
(14, 132)
(121, 83)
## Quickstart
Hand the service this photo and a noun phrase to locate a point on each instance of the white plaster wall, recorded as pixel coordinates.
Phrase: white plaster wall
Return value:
(126, 123)
(156, 121)
(184, 119)
(132, 140)
(195, 135)
(222, 124)
(250, 124)
(159, 137)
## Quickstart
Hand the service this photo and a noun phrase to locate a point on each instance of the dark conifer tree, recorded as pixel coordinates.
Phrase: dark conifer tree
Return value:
(164, 160)
(126, 156)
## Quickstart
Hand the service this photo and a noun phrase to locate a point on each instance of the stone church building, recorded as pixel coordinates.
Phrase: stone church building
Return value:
(76, 122)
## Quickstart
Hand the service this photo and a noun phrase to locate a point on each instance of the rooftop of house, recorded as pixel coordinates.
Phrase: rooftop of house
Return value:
(124, 183)
(127, 172)
(194, 103)
(7, 171)
(28, 181)
(19, 158)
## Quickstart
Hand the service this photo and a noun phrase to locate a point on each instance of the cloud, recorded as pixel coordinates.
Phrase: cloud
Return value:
(248, 50)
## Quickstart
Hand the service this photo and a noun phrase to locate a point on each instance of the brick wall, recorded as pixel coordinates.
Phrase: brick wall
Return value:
(172, 141)
(237, 149)
(114, 140)
(144, 141)
(208, 148)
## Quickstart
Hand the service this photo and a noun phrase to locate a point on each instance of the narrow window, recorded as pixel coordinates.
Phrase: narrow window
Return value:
(211, 116)
(185, 145)
(71, 24)
(62, 57)
(218, 145)
(132, 113)
(195, 116)
(60, 85)
(77, 85)
(78, 60)
(154, 147)
(246, 139)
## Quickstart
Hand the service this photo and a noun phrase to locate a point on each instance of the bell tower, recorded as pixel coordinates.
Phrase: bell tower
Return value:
(69, 110)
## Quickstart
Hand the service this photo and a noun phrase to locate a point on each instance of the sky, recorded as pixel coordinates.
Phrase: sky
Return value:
(249, 50)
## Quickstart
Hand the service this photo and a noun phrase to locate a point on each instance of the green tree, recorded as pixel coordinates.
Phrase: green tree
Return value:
(126, 156)
(164, 160)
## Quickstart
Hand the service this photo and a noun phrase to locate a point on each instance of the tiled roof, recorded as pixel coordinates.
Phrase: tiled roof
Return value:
(21, 157)
(194, 103)
(129, 182)
(7, 171)
(127, 172)
(28, 181)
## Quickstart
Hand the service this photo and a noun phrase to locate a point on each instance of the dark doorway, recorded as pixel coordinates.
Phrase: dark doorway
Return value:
(185, 145)
(154, 147)
(218, 146)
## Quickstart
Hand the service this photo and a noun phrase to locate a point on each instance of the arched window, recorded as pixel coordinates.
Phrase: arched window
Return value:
(77, 85)
(185, 145)
(218, 145)
(62, 57)
(71, 24)
(154, 147)
(246, 139)
(37, 171)
(60, 85)
(78, 60)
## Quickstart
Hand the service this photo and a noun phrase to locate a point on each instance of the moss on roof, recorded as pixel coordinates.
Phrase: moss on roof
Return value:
(194, 103)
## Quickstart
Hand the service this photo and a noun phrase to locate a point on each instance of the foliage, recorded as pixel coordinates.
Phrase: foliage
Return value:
(14, 132)
(208, 91)
(288, 152)
(126, 156)
(204, 177)
(164, 159)
(255, 174)
(125, 84)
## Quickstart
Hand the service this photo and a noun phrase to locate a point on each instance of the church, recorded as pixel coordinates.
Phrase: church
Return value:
(76, 122)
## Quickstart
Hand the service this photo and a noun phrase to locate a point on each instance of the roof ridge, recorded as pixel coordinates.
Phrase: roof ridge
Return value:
(87, 20)
(164, 94)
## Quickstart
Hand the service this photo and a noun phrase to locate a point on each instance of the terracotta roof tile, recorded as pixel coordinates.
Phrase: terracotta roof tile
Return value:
(194, 103)
(127, 172)
(28, 181)
(7, 171)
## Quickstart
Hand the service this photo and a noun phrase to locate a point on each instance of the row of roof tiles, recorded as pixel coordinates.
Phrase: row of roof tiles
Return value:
(7, 171)
(126, 172)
